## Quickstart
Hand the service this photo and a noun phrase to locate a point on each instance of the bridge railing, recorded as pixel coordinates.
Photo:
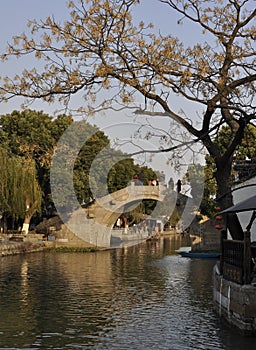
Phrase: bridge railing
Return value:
(131, 191)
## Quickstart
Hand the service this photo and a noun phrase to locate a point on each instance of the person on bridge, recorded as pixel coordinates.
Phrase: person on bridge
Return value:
(154, 182)
(141, 178)
(171, 184)
(118, 223)
(136, 180)
(178, 186)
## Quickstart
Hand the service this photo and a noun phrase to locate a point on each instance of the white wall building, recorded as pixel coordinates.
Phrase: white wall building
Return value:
(243, 193)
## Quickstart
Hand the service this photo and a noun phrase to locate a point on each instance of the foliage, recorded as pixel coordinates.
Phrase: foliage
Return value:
(89, 185)
(201, 177)
(73, 250)
(33, 135)
(100, 47)
(4, 193)
(245, 155)
(174, 219)
(31, 138)
(121, 174)
(20, 192)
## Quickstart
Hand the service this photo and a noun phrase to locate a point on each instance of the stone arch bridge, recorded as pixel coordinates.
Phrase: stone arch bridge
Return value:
(94, 223)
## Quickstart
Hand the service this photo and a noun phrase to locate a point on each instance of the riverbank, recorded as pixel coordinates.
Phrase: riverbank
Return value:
(13, 248)
(31, 243)
(13, 244)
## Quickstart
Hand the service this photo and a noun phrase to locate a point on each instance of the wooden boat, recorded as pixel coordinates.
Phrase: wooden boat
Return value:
(199, 255)
(186, 252)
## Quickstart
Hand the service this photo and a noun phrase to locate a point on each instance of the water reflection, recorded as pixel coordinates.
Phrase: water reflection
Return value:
(142, 297)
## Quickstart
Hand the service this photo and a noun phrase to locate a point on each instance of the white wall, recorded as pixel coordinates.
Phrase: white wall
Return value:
(242, 194)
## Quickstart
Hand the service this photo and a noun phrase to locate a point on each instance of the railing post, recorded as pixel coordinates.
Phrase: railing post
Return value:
(247, 257)
(223, 235)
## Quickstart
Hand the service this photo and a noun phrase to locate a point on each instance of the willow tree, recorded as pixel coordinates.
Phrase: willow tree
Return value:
(33, 135)
(4, 186)
(20, 195)
(101, 47)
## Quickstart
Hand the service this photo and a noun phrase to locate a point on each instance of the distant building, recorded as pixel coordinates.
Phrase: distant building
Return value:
(244, 169)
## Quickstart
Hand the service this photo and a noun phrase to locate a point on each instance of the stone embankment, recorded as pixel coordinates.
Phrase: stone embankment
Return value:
(13, 248)
(12, 244)
(235, 302)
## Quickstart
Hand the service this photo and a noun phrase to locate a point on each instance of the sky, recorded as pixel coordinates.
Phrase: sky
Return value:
(13, 19)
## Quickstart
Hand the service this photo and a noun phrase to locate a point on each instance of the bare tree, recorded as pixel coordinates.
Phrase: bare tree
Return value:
(100, 48)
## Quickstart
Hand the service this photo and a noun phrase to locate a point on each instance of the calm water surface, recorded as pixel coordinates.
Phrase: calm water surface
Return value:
(142, 297)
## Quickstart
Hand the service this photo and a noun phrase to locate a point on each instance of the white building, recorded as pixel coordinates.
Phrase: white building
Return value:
(241, 192)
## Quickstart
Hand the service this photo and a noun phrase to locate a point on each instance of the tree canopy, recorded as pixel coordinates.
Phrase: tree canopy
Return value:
(243, 165)
(20, 192)
(32, 136)
(100, 47)
(28, 141)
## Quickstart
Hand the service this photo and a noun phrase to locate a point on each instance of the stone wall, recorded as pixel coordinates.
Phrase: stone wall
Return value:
(235, 303)
(14, 248)
(208, 237)
(65, 237)
(62, 235)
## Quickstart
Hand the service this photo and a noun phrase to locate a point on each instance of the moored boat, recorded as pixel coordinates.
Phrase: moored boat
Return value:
(186, 252)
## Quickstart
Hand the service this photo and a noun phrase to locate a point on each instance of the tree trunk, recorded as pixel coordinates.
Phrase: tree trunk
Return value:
(25, 226)
(29, 213)
(225, 199)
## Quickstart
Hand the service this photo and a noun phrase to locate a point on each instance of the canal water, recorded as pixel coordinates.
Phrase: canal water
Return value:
(142, 297)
